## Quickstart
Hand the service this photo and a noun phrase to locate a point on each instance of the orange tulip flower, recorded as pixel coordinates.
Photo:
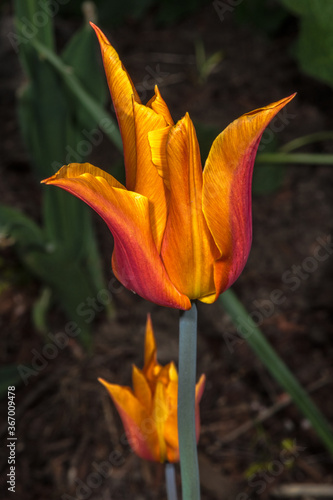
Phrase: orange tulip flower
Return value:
(149, 411)
(180, 232)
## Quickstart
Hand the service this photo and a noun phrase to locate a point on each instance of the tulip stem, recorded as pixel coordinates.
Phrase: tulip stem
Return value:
(170, 479)
(189, 468)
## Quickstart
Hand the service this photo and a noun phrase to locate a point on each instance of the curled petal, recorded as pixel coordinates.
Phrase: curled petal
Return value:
(227, 191)
(136, 262)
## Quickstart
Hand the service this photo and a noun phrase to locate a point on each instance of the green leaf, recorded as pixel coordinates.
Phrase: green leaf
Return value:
(25, 232)
(32, 21)
(70, 284)
(247, 328)
(81, 54)
(266, 17)
(314, 48)
(116, 13)
(81, 57)
(40, 310)
(42, 113)
(96, 111)
(58, 129)
(267, 177)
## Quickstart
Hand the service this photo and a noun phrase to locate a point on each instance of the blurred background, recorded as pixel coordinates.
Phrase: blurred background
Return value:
(65, 320)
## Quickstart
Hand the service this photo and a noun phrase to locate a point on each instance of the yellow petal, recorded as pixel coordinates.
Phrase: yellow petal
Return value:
(158, 150)
(171, 423)
(148, 181)
(160, 415)
(188, 250)
(121, 89)
(150, 343)
(141, 389)
(227, 191)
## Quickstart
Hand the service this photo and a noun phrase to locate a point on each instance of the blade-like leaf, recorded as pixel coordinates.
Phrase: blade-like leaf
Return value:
(96, 111)
(25, 232)
(274, 364)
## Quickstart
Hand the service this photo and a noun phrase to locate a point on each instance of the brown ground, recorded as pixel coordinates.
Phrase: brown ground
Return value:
(66, 425)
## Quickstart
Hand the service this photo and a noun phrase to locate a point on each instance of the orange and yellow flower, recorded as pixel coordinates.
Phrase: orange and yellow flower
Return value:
(149, 411)
(180, 232)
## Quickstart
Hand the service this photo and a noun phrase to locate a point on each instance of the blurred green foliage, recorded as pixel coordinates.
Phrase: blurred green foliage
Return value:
(265, 16)
(113, 13)
(314, 46)
(62, 252)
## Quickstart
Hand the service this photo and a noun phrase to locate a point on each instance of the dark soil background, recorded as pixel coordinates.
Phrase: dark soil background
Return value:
(67, 427)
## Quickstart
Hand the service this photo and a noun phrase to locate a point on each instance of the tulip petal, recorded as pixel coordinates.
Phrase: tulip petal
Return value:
(136, 262)
(151, 367)
(148, 182)
(199, 388)
(134, 416)
(158, 149)
(171, 423)
(122, 90)
(227, 191)
(188, 249)
(158, 104)
(160, 414)
(150, 344)
(141, 388)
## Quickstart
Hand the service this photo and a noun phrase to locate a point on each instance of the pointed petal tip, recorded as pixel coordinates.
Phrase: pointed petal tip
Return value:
(107, 385)
(48, 180)
(283, 102)
(102, 381)
(95, 28)
(100, 35)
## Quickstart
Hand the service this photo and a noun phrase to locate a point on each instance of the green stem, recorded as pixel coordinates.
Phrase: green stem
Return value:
(258, 343)
(189, 468)
(170, 479)
(303, 158)
(305, 140)
(104, 120)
